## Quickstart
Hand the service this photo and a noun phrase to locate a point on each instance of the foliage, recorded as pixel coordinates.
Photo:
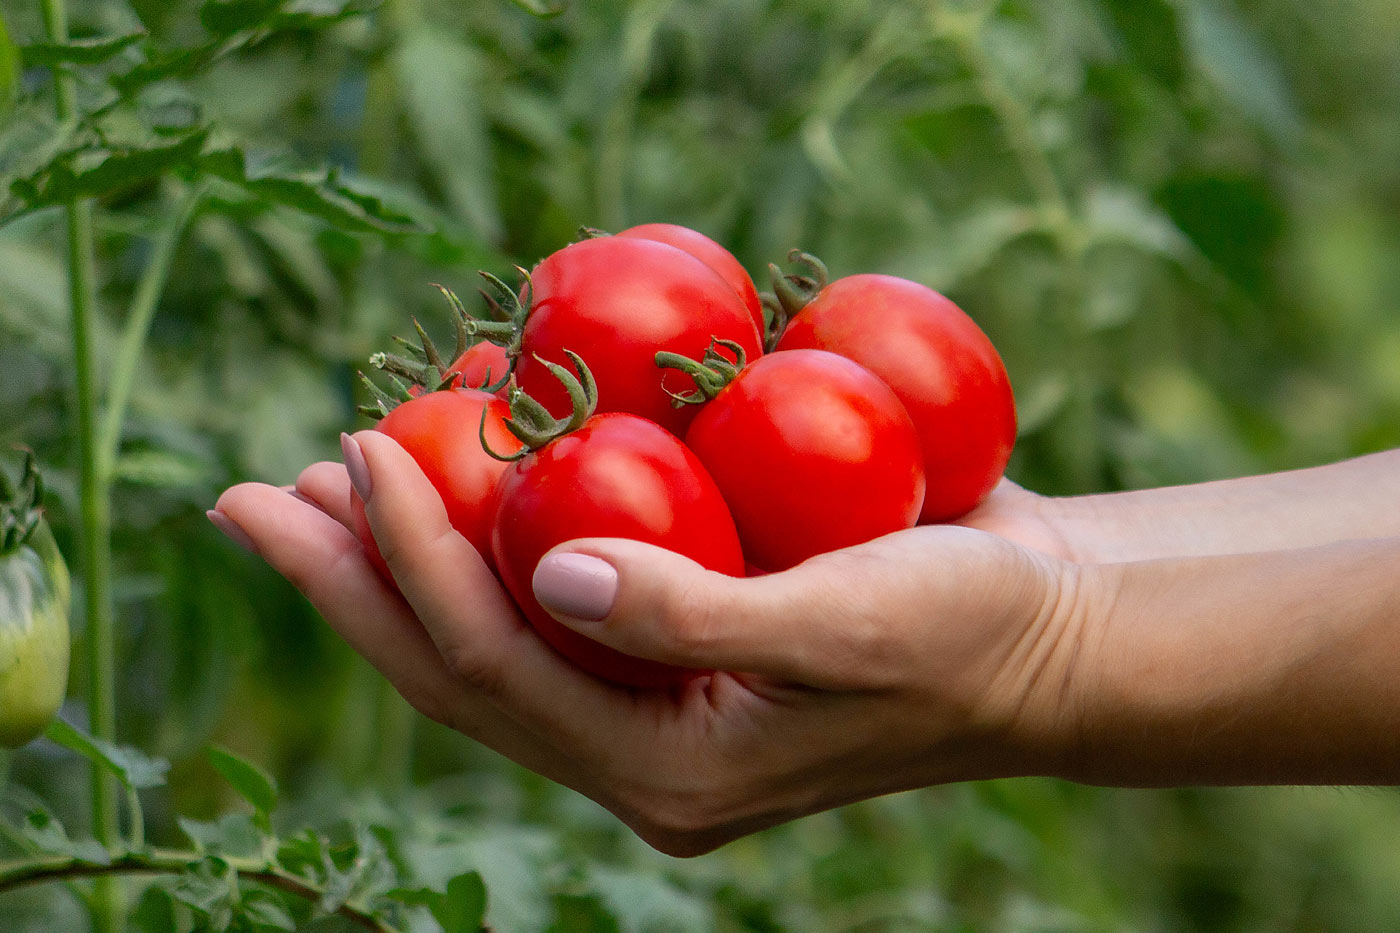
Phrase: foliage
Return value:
(1176, 218)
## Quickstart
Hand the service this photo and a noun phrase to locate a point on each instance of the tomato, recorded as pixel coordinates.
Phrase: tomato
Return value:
(711, 254)
(616, 301)
(35, 597)
(813, 452)
(440, 430)
(483, 364)
(941, 366)
(613, 475)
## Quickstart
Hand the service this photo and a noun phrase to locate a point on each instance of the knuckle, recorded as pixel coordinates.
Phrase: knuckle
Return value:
(473, 670)
(690, 618)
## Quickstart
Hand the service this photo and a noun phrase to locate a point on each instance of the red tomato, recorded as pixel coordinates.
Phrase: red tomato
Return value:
(616, 301)
(440, 431)
(711, 254)
(813, 453)
(939, 363)
(617, 476)
(483, 364)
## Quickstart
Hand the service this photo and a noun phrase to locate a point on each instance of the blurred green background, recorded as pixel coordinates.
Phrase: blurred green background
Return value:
(1179, 220)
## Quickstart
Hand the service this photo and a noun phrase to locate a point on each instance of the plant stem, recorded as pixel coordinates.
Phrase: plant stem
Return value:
(135, 331)
(50, 868)
(94, 492)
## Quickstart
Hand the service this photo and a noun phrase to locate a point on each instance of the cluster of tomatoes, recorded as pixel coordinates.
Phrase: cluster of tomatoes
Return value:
(637, 385)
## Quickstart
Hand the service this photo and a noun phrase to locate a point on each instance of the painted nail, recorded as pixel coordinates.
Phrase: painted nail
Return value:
(576, 585)
(356, 466)
(230, 528)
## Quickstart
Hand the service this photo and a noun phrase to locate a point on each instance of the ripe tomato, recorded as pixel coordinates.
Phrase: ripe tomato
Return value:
(617, 476)
(941, 366)
(813, 452)
(616, 301)
(711, 254)
(35, 595)
(482, 364)
(440, 431)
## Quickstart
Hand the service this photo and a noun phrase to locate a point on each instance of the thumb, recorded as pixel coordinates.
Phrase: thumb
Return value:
(652, 603)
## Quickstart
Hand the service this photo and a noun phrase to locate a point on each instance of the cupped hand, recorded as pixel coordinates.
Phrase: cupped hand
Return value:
(937, 654)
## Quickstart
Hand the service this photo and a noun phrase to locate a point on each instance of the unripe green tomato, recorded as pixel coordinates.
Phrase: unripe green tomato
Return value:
(35, 596)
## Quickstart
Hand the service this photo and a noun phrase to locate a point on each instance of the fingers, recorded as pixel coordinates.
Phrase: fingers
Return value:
(798, 626)
(325, 561)
(327, 486)
(469, 616)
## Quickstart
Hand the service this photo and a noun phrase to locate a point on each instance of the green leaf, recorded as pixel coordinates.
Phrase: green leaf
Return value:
(264, 913)
(233, 834)
(441, 78)
(46, 833)
(59, 181)
(9, 70)
(252, 783)
(226, 17)
(543, 8)
(582, 913)
(133, 767)
(93, 51)
(464, 908)
(319, 194)
(161, 468)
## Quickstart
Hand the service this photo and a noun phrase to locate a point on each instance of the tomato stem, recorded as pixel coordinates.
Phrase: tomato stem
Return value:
(533, 424)
(711, 373)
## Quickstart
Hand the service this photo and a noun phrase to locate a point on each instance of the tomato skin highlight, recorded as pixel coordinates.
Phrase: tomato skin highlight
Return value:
(439, 430)
(616, 301)
(618, 476)
(941, 366)
(813, 453)
(711, 254)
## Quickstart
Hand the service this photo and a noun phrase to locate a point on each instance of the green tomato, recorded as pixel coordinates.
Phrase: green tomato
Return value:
(34, 644)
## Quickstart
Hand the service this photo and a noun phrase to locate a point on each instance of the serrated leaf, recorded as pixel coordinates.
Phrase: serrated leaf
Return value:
(47, 834)
(133, 767)
(91, 51)
(59, 182)
(233, 834)
(320, 194)
(251, 782)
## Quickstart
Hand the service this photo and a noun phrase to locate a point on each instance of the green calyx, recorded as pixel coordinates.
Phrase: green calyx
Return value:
(712, 372)
(533, 424)
(425, 368)
(20, 506)
(508, 309)
(791, 293)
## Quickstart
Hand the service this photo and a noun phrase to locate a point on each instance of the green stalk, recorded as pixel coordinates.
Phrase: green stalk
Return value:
(135, 331)
(52, 868)
(94, 494)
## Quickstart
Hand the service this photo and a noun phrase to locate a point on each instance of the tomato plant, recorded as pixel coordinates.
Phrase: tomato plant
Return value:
(442, 432)
(711, 254)
(34, 604)
(811, 450)
(482, 365)
(616, 301)
(936, 359)
(605, 475)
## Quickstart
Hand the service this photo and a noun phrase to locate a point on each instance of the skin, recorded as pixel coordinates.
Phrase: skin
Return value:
(1237, 632)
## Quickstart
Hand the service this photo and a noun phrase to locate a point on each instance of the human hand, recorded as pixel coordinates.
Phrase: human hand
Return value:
(937, 654)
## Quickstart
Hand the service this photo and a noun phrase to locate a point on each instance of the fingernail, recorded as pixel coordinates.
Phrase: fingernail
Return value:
(355, 465)
(230, 528)
(576, 585)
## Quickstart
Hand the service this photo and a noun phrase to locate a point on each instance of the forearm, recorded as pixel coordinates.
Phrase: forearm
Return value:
(1269, 668)
(1344, 501)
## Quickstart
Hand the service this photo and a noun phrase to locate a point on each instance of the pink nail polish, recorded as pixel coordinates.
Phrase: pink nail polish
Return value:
(356, 466)
(576, 585)
(230, 528)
